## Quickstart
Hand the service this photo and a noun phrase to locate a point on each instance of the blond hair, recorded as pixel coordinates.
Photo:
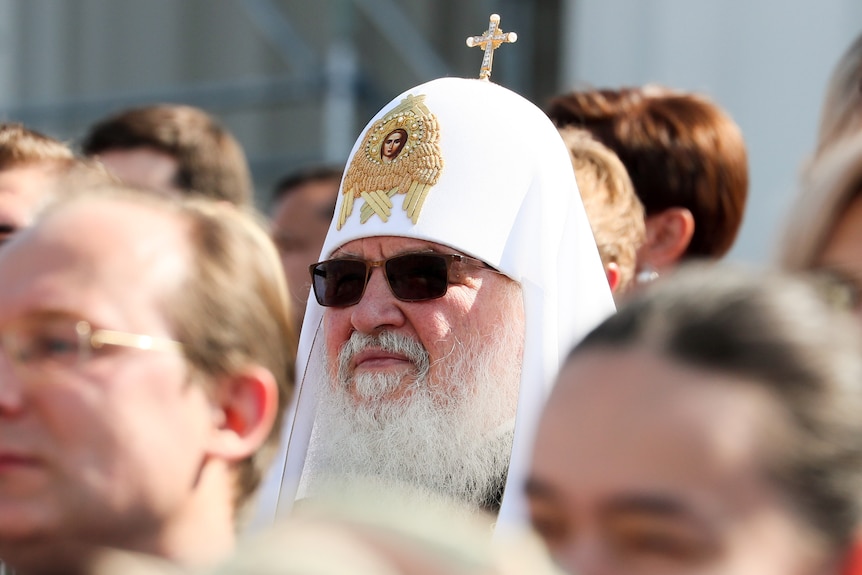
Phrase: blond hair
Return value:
(21, 146)
(616, 215)
(384, 531)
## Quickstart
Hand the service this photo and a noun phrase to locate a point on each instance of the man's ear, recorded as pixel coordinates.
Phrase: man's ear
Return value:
(245, 405)
(612, 272)
(668, 234)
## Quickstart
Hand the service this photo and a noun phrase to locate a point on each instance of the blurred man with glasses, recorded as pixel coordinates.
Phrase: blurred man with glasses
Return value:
(145, 360)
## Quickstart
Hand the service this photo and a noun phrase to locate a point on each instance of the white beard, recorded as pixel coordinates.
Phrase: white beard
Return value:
(450, 433)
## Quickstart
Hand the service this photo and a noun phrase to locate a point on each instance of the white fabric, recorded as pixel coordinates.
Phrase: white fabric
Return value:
(506, 195)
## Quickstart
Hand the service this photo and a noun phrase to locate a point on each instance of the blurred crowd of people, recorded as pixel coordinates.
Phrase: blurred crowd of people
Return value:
(551, 372)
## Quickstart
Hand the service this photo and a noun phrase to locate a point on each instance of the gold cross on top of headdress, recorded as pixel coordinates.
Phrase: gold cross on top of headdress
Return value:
(490, 40)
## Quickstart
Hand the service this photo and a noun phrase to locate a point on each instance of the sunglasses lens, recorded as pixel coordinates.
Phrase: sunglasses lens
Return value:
(339, 283)
(418, 277)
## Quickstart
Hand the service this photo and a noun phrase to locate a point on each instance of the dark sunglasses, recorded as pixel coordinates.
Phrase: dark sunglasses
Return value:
(411, 277)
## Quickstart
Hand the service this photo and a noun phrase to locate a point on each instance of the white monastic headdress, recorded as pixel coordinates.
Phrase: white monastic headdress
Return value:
(485, 172)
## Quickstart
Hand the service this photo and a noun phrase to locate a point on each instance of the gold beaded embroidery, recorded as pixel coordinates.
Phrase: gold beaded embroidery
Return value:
(398, 155)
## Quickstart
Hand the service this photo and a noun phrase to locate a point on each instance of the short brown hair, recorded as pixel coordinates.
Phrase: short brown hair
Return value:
(210, 162)
(616, 215)
(777, 333)
(680, 150)
(21, 146)
(233, 309)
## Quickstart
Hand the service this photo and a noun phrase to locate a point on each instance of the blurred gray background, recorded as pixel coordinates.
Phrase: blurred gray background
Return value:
(296, 80)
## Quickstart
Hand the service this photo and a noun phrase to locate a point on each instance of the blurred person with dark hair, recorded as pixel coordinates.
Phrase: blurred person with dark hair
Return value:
(302, 206)
(147, 357)
(174, 148)
(29, 164)
(686, 158)
(711, 426)
(615, 213)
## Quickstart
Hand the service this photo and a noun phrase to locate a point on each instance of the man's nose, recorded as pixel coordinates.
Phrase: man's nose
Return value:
(587, 556)
(378, 309)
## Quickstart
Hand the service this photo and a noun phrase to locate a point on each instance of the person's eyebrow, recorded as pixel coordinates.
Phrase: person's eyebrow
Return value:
(340, 253)
(52, 313)
(48, 314)
(657, 505)
(654, 504)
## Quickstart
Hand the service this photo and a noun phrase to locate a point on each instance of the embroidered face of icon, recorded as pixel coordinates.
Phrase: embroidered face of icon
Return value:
(392, 145)
(399, 155)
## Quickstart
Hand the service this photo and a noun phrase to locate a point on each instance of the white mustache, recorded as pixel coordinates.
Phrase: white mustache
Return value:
(387, 341)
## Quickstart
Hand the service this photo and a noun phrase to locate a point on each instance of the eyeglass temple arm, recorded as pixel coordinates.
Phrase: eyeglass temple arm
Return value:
(478, 263)
(103, 337)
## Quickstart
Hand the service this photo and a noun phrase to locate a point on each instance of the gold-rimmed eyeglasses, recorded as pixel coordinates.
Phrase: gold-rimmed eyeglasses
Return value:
(67, 342)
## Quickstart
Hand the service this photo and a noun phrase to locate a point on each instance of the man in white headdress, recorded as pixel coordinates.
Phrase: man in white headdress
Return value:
(453, 281)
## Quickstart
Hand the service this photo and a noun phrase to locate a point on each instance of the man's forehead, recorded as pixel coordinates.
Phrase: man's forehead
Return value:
(390, 245)
(26, 183)
(117, 216)
(97, 256)
(142, 166)
(99, 232)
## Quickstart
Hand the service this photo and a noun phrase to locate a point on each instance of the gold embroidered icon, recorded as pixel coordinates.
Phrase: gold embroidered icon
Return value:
(399, 155)
(490, 40)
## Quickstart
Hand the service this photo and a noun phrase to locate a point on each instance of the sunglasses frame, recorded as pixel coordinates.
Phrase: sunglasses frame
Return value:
(449, 259)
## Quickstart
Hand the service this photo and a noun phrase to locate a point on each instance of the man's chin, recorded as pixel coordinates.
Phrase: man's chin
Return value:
(389, 386)
(397, 396)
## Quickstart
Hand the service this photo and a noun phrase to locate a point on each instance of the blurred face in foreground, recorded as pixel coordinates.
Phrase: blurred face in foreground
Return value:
(105, 437)
(644, 466)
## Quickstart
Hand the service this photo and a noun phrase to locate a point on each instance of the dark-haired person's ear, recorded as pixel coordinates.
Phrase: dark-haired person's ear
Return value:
(668, 234)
